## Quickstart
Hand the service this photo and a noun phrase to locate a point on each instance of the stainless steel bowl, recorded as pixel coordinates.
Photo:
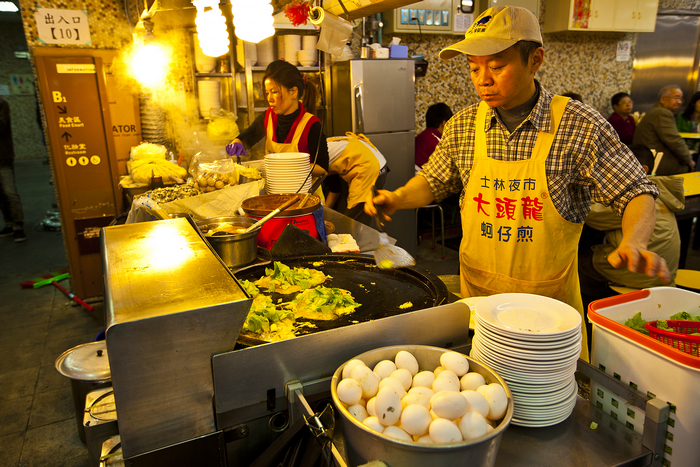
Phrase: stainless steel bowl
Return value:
(235, 250)
(364, 445)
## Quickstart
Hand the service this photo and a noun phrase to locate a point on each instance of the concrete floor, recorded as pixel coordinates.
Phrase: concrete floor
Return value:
(37, 418)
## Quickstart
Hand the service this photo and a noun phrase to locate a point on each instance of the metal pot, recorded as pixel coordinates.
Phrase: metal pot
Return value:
(364, 445)
(87, 366)
(235, 250)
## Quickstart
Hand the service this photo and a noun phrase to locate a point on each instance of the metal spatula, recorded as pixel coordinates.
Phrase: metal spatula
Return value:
(388, 256)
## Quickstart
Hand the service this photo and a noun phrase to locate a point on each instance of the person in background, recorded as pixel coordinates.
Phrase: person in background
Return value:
(621, 118)
(10, 203)
(289, 124)
(528, 164)
(355, 166)
(435, 119)
(594, 269)
(658, 131)
(688, 122)
(573, 95)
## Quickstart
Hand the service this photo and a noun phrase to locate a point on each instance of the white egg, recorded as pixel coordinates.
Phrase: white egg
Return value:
(358, 411)
(473, 425)
(449, 382)
(415, 420)
(403, 375)
(449, 404)
(393, 383)
(424, 379)
(427, 392)
(415, 399)
(489, 428)
(492, 423)
(385, 368)
(443, 431)
(349, 391)
(438, 370)
(388, 406)
(397, 433)
(370, 407)
(425, 439)
(477, 402)
(496, 397)
(455, 362)
(471, 381)
(367, 379)
(373, 423)
(350, 365)
(406, 360)
(433, 414)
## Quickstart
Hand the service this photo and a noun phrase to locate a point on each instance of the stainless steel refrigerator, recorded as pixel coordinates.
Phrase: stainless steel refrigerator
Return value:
(377, 98)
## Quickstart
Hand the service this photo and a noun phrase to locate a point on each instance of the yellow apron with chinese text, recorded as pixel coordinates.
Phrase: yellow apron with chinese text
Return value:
(272, 147)
(514, 239)
(358, 166)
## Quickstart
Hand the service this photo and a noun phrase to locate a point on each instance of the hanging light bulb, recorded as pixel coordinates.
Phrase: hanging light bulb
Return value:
(252, 19)
(211, 27)
(150, 63)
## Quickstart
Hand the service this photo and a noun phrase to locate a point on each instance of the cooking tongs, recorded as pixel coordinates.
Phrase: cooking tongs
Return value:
(284, 206)
(388, 256)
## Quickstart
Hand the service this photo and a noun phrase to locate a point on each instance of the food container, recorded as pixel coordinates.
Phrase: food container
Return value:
(364, 445)
(258, 207)
(87, 366)
(235, 250)
(649, 366)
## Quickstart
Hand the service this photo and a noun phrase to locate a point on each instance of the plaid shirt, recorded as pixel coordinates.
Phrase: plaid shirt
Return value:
(587, 162)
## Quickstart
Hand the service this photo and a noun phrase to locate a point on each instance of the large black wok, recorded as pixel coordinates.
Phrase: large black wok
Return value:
(380, 291)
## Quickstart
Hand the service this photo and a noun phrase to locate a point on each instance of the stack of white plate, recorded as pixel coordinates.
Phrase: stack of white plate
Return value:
(209, 96)
(266, 51)
(292, 45)
(286, 172)
(533, 343)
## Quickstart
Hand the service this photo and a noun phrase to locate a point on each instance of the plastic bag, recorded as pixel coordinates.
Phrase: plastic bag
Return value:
(212, 174)
(222, 127)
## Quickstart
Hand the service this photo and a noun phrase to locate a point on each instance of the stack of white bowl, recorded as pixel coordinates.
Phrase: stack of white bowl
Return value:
(308, 53)
(280, 47)
(292, 45)
(266, 51)
(203, 63)
(209, 96)
(287, 172)
(533, 343)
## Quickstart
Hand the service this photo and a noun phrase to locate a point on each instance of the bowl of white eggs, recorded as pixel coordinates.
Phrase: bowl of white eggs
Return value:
(417, 406)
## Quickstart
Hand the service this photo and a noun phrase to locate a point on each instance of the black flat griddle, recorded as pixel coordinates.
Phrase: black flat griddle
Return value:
(380, 291)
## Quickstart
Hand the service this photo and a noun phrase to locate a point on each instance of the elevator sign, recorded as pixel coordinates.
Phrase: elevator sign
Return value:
(56, 26)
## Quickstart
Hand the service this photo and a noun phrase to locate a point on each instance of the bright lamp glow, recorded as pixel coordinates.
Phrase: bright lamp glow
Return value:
(211, 27)
(252, 19)
(149, 65)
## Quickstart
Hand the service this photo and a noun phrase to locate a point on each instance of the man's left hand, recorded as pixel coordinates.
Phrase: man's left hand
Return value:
(640, 260)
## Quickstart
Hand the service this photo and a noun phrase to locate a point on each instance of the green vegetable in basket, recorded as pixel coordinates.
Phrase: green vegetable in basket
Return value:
(695, 334)
(663, 324)
(684, 316)
(637, 323)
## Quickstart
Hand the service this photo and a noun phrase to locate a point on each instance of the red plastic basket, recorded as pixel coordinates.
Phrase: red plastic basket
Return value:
(680, 339)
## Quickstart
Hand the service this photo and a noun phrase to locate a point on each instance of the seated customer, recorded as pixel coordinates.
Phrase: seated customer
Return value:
(620, 119)
(688, 121)
(595, 271)
(657, 130)
(355, 165)
(435, 119)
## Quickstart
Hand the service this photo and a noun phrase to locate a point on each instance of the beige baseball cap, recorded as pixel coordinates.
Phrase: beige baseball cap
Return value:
(495, 30)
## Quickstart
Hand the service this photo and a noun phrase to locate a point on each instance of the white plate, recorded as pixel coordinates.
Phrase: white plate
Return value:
(537, 388)
(286, 156)
(539, 424)
(525, 365)
(528, 314)
(525, 337)
(555, 401)
(537, 355)
(523, 344)
(523, 377)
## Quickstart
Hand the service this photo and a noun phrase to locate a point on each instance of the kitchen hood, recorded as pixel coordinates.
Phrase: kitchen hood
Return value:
(179, 14)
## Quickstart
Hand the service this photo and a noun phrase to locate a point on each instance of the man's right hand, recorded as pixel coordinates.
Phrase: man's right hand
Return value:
(386, 199)
(236, 149)
(691, 164)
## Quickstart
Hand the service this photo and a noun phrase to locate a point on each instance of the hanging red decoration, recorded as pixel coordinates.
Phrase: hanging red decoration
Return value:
(297, 12)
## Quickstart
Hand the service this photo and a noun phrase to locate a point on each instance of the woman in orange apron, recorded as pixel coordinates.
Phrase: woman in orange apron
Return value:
(289, 124)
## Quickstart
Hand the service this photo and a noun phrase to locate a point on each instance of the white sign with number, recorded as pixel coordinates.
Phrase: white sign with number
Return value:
(57, 26)
(624, 48)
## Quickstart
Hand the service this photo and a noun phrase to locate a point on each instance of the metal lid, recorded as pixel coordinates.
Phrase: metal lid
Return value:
(86, 362)
(265, 204)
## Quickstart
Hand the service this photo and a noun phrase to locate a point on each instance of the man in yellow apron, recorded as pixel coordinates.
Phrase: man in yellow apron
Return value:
(528, 165)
